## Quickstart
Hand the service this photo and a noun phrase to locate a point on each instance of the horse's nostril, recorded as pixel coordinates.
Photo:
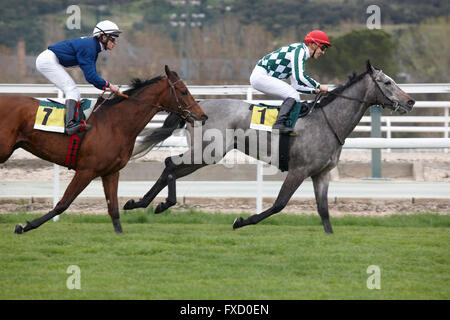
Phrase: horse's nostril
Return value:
(204, 117)
(411, 102)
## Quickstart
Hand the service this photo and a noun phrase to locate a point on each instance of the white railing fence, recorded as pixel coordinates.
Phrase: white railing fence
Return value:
(387, 124)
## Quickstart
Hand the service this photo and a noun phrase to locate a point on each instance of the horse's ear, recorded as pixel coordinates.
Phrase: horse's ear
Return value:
(166, 68)
(370, 69)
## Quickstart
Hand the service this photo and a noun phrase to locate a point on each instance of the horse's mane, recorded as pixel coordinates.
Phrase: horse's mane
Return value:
(339, 89)
(136, 85)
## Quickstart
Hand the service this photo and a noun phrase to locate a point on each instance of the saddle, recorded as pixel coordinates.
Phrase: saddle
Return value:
(50, 116)
(264, 117)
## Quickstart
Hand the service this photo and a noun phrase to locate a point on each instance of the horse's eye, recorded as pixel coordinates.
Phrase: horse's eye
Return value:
(184, 92)
(387, 83)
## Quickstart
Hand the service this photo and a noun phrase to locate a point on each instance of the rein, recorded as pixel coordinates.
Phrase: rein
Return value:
(395, 104)
(161, 108)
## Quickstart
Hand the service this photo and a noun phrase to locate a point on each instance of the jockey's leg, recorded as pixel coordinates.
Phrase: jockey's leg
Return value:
(47, 63)
(72, 126)
(283, 115)
(263, 82)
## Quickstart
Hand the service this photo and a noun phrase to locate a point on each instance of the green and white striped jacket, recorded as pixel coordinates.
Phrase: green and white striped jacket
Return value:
(290, 60)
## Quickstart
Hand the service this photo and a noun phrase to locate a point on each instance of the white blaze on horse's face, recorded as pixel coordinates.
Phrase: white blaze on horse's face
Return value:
(399, 100)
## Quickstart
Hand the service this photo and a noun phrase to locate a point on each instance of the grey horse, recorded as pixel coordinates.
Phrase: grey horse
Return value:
(314, 151)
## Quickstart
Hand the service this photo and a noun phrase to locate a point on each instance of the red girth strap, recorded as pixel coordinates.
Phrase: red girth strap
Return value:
(74, 146)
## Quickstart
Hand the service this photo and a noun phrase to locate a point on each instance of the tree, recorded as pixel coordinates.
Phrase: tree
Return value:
(423, 51)
(350, 52)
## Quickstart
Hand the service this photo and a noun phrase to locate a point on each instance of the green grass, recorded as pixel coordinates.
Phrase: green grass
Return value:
(195, 255)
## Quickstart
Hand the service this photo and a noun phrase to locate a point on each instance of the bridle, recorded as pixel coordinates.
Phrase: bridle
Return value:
(394, 104)
(184, 113)
(187, 113)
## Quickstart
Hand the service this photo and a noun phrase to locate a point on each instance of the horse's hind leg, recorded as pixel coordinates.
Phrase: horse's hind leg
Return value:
(321, 182)
(79, 182)
(290, 185)
(110, 185)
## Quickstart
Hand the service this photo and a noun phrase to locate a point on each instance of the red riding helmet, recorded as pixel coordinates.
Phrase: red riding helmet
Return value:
(318, 37)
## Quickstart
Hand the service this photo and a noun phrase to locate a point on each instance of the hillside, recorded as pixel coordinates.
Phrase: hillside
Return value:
(229, 36)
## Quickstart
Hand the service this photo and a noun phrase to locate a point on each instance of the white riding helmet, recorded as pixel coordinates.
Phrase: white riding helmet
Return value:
(106, 27)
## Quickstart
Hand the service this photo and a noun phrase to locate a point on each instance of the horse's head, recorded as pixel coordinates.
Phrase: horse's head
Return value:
(388, 93)
(180, 101)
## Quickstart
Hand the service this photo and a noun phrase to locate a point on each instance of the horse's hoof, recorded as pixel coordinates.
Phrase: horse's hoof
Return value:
(18, 229)
(238, 222)
(117, 226)
(160, 208)
(129, 205)
(163, 206)
(327, 227)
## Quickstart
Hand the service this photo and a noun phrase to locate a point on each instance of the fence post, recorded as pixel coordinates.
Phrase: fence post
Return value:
(259, 186)
(388, 130)
(249, 94)
(446, 125)
(259, 168)
(56, 175)
(375, 113)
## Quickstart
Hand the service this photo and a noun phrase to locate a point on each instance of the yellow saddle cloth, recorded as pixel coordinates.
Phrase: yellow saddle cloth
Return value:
(263, 117)
(50, 115)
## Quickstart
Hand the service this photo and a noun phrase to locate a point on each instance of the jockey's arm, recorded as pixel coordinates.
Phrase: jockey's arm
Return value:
(87, 65)
(300, 80)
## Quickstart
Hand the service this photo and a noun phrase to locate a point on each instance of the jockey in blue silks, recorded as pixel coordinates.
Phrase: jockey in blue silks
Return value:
(82, 52)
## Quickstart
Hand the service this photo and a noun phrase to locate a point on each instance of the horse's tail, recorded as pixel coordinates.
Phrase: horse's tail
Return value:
(146, 142)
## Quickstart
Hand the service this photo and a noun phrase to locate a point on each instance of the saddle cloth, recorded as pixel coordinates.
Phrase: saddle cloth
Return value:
(51, 113)
(264, 116)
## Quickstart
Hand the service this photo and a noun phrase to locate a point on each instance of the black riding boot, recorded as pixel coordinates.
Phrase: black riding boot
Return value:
(72, 126)
(283, 115)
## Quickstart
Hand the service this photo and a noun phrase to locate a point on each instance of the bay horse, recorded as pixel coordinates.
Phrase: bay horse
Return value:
(106, 148)
(314, 152)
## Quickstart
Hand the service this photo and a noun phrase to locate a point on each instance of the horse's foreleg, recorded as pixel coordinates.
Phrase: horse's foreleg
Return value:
(290, 185)
(171, 179)
(160, 184)
(7, 145)
(79, 182)
(167, 178)
(110, 185)
(171, 200)
(321, 182)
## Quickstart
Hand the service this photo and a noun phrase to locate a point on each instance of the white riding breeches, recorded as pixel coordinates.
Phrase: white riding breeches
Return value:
(261, 81)
(48, 64)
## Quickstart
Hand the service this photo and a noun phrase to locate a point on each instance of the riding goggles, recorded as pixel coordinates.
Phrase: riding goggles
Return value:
(323, 46)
